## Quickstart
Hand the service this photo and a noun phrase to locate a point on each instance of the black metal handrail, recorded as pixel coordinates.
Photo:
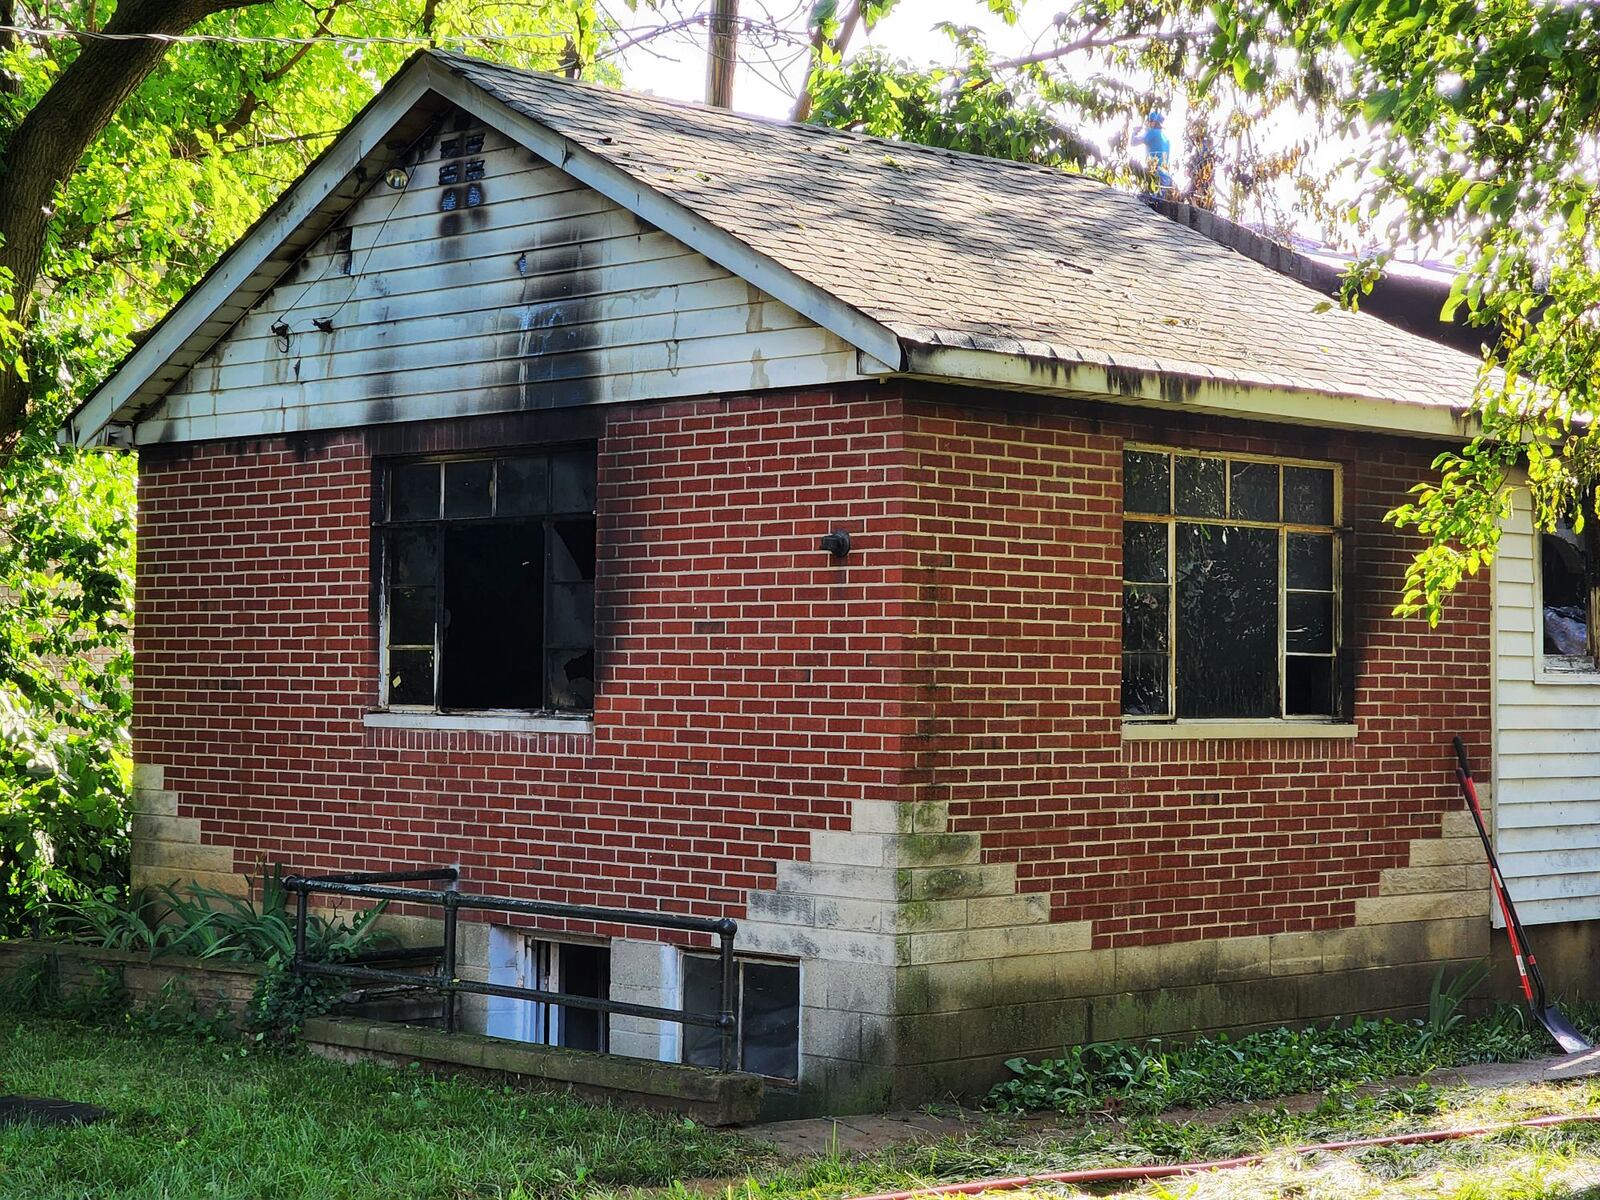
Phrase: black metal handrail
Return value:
(377, 885)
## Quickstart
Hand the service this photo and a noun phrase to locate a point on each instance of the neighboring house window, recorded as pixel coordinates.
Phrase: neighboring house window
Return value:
(1567, 561)
(769, 1015)
(1229, 600)
(488, 568)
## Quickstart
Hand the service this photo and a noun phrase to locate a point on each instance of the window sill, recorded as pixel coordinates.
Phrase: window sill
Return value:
(1211, 731)
(1566, 669)
(476, 722)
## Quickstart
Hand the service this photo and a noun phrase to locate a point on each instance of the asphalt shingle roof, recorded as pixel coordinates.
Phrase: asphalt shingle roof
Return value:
(952, 249)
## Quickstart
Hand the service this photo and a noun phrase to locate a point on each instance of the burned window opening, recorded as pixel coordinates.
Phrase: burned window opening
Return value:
(1570, 602)
(489, 568)
(1230, 605)
(475, 168)
(474, 195)
(450, 173)
(450, 148)
(449, 200)
(472, 143)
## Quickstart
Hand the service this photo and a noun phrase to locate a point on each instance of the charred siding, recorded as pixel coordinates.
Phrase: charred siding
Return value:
(490, 284)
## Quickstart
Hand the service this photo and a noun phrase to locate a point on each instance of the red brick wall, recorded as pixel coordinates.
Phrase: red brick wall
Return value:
(967, 651)
(748, 689)
(1018, 551)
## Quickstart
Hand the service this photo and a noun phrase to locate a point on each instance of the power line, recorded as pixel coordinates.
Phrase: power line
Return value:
(630, 38)
(230, 39)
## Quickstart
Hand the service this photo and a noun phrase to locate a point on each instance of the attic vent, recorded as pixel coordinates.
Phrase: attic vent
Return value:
(450, 172)
(474, 143)
(449, 200)
(450, 148)
(475, 168)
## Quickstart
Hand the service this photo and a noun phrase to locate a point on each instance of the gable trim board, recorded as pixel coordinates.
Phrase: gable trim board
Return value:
(342, 176)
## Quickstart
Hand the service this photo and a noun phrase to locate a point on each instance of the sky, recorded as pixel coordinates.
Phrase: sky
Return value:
(772, 64)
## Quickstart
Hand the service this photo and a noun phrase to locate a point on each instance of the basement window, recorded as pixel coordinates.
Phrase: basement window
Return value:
(769, 1015)
(488, 571)
(1569, 597)
(572, 968)
(1230, 602)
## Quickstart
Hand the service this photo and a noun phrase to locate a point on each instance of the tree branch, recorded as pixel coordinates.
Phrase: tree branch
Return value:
(48, 143)
(839, 44)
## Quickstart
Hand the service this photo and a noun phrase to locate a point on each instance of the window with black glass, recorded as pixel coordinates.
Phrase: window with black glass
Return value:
(488, 570)
(1230, 607)
(769, 1015)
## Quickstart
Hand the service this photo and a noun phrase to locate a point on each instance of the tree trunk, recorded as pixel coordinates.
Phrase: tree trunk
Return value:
(45, 148)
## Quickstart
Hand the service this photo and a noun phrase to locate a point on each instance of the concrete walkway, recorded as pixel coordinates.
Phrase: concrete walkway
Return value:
(872, 1134)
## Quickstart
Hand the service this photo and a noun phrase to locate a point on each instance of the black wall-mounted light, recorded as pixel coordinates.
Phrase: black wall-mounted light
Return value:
(837, 543)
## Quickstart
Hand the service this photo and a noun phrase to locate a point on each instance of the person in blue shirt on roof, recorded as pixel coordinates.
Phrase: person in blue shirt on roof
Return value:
(1159, 152)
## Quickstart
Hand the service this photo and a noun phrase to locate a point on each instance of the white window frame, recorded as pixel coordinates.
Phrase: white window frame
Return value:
(1575, 669)
(1170, 726)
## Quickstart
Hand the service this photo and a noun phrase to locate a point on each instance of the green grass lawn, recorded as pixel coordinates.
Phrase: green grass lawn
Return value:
(201, 1119)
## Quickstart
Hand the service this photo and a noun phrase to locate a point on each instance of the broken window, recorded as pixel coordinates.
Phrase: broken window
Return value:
(1229, 603)
(769, 1015)
(488, 568)
(572, 968)
(1567, 560)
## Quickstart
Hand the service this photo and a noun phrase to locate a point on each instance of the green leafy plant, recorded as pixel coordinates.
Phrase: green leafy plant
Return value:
(1156, 1075)
(202, 922)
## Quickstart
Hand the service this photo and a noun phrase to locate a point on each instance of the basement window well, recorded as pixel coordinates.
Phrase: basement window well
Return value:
(488, 569)
(769, 1015)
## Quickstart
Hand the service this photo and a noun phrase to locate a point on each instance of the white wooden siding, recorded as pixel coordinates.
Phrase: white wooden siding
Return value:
(545, 294)
(1547, 750)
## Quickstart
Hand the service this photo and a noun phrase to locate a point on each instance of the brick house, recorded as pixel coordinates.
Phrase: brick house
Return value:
(483, 490)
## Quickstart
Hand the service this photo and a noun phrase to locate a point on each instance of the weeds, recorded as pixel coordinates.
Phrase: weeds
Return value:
(1157, 1075)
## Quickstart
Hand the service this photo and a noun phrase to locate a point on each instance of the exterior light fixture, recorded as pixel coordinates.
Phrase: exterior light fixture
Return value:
(837, 543)
(396, 177)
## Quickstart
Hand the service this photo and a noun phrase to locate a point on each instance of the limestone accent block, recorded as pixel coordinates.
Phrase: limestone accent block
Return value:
(154, 802)
(148, 778)
(1003, 941)
(798, 941)
(1379, 910)
(947, 883)
(178, 860)
(818, 879)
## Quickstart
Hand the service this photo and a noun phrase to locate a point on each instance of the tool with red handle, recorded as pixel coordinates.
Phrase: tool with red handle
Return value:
(1547, 1014)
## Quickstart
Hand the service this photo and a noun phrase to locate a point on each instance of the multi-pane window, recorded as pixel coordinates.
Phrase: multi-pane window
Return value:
(488, 569)
(1230, 604)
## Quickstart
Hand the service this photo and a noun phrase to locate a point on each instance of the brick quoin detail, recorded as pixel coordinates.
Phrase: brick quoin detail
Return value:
(1018, 546)
(747, 683)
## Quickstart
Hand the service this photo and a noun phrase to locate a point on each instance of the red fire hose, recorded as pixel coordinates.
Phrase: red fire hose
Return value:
(1164, 1170)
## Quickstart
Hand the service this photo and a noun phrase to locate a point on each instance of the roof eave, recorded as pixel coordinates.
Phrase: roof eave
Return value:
(1037, 369)
(342, 168)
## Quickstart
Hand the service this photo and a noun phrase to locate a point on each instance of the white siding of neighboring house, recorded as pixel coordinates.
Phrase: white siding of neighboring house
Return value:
(547, 293)
(1547, 749)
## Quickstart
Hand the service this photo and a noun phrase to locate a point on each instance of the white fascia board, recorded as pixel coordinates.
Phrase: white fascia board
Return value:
(723, 248)
(1217, 396)
(296, 206)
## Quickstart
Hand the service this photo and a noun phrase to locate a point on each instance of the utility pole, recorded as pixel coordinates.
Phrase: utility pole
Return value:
(722, 52)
